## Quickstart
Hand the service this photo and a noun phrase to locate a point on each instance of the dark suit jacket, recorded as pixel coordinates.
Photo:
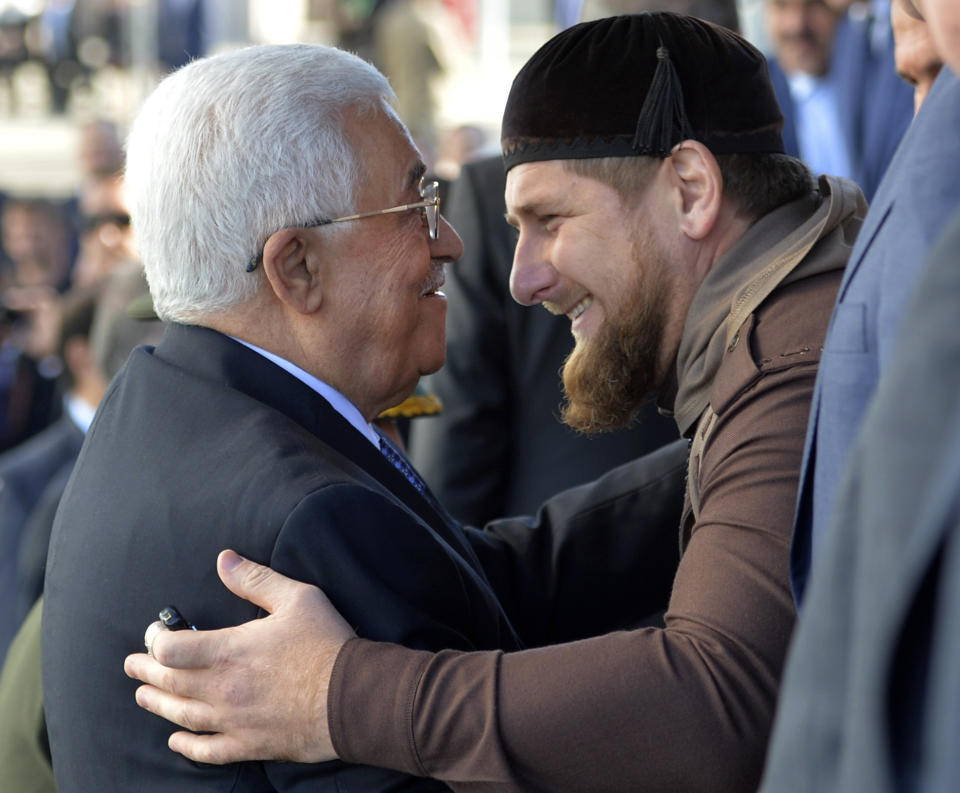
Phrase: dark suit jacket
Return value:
(872, 686)
(499, 447)
(204, 444)
(876, 105)
(24, 474)
(914, 202)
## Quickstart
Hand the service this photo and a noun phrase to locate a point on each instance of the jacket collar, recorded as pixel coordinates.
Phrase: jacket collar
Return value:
(216, 357)
(803, 238)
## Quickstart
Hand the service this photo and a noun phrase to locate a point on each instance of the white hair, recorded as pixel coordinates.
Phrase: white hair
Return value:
(230, 149)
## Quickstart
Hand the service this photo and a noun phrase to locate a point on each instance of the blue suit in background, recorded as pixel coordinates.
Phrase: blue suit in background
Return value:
(911, 208)
(870, 699)
(875, 104)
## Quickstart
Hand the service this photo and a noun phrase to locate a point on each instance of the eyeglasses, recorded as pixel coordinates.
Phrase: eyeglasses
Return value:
(429, 208)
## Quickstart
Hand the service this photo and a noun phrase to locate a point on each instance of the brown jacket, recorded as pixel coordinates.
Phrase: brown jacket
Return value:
(684, 708)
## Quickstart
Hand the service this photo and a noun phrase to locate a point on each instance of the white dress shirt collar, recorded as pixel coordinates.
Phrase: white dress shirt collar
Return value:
(338, 401)
(80, 411)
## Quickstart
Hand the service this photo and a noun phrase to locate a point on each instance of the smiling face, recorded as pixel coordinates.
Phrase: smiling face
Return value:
(606, 377)
(383, 275)
(584, 253)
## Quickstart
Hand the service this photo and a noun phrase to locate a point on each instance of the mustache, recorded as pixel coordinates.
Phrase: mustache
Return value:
(435, 279)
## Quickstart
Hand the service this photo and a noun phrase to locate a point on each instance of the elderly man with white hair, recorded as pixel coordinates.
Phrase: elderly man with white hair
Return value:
(296, 250)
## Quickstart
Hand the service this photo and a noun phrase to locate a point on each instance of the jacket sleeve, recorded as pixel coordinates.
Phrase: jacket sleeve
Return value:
(687, 707)
(597, 557)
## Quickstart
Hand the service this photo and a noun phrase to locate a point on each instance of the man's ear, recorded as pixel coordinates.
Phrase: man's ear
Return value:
(292, 268)
(700, 187)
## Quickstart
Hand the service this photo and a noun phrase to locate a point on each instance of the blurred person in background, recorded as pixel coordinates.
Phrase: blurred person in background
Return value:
(100, 149)
(407, 50)
(106, 239)
(181, 28)
(414, 43)
(59, 49)
(833, 70)
(36, 239)
(457, 145)
(26, 470)
(13, 47)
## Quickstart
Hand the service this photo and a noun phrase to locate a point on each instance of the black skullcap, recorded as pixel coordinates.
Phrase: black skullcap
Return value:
(638, 85)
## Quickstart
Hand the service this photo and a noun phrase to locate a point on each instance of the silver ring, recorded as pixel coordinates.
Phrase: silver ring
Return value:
(150, 634)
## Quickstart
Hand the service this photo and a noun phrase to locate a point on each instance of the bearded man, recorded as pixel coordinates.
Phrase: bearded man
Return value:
(656, 210)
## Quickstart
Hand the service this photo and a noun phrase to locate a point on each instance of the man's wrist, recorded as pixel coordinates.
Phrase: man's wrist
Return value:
(370, 701)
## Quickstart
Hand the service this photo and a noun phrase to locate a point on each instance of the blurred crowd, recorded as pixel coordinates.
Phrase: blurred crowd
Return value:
(73, 39)
(50, 248)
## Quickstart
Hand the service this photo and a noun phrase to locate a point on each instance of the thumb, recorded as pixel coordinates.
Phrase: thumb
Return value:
(255, 582)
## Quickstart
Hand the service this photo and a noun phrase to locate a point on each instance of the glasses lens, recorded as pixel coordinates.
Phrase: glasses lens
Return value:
(430, 191)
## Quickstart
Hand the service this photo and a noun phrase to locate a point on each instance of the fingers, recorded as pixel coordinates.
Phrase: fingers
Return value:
(260, 686)
(184, 649)
(254, 582)
(188, 713)
(144, 668)
(181, 682)
(216, 749)
(274, 592)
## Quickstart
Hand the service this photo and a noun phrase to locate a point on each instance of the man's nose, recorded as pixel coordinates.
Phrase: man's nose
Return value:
(532, 277)
(448, 245)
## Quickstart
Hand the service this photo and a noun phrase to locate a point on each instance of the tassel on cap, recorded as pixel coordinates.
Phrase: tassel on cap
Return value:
(663, 117)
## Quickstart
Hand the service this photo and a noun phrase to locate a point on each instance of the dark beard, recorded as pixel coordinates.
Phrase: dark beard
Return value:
(606, 379)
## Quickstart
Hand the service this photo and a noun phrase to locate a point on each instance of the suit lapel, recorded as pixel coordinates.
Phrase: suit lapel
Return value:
(900, 166)
(928, 122)
(802, 542)
(214, 356)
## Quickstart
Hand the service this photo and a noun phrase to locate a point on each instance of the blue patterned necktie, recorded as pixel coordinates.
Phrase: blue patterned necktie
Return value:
(401, 464)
